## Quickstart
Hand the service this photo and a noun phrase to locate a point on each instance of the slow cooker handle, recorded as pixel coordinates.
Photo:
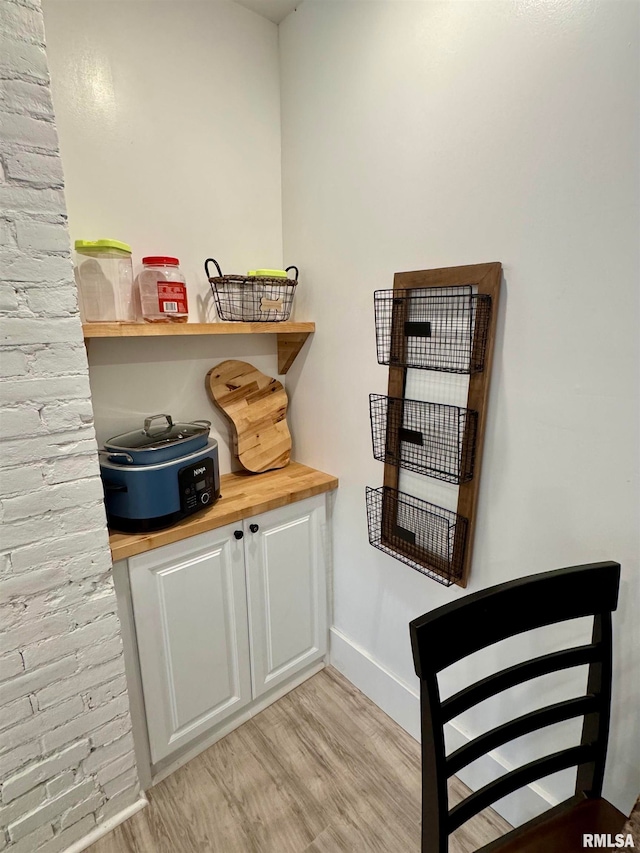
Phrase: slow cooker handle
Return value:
(110, 454)
(203, 422)
(147, 421)
(114, 487)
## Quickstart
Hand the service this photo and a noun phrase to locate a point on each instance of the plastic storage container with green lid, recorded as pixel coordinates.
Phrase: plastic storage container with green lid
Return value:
(104, 275)
(101, 246)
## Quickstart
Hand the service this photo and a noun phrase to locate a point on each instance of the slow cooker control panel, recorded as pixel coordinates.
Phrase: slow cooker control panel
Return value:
(196, 485)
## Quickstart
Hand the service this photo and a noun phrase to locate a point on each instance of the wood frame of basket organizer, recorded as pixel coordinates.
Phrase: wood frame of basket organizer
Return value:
(486, 279)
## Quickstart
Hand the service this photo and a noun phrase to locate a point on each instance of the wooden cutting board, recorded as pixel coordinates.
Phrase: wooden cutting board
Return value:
(256, 405)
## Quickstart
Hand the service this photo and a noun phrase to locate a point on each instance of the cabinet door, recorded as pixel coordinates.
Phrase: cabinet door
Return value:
(287, 594)
(189, 602)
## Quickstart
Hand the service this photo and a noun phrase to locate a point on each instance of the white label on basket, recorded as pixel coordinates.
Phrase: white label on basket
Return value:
(270, 304)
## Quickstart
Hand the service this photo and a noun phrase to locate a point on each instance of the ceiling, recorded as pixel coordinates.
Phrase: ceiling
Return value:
(274, 10)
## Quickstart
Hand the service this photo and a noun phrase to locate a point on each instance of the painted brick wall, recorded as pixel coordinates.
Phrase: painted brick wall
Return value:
(66, 750)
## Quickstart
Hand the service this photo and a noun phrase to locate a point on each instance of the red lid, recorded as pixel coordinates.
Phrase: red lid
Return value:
(158, 260)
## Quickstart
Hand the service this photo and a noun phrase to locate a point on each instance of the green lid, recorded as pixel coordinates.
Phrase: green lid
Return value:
(102, 245)
(269, 273)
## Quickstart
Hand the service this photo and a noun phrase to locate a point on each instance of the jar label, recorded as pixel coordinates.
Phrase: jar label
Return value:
(172, 298)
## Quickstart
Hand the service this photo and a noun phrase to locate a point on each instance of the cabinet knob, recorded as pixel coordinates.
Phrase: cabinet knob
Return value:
(238, 534)
(254, 528)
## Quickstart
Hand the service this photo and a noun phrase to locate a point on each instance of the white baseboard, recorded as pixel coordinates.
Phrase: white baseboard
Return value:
(108, 825)
(402, 703)
(396, 698)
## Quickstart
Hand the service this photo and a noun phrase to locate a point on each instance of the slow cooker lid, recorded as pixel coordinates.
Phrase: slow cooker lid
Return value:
(153, 437)
(110, 461)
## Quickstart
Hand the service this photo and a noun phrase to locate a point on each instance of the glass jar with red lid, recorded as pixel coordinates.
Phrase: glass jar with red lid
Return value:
(163, 290)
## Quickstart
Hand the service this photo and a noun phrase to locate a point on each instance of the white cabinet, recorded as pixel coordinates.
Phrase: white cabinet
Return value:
(223, 617)
(286, 592)
(190, 608)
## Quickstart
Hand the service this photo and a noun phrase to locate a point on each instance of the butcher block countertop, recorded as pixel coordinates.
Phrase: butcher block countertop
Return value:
(242, 495)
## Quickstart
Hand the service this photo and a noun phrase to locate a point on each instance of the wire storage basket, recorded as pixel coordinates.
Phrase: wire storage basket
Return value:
(252, 298)
(429, 438)
(426, 537)
(433, 328)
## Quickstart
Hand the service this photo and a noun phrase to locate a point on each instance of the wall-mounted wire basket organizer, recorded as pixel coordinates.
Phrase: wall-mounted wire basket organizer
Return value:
(443, 320)
(428, 438)
(434, 331)
(426, 537)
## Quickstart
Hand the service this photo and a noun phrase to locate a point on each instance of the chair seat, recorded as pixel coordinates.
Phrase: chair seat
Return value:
(562, 829)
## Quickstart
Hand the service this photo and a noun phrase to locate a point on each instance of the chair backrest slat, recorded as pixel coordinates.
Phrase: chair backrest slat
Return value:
(484, 618)
(510, 782)
(518, 674)
(523, 725)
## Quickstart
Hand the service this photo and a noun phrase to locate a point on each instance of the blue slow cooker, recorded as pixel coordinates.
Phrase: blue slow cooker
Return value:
(158, 492)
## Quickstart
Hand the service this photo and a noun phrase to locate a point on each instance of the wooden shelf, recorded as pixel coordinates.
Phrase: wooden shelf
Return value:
(144, 330)
(290, 335)
(242, 495)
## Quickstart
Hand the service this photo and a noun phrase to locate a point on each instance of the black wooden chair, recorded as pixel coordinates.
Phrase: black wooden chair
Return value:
(452, 632)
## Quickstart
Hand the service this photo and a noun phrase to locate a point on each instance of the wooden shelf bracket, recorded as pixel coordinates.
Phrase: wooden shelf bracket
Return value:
(289, 346)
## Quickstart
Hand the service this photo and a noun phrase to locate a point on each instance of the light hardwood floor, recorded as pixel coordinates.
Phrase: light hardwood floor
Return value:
(323, 770)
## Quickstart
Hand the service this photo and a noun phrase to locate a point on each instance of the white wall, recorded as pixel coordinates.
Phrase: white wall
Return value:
(66, 750)
(426, 134)
(169, 117)
(415, 135)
